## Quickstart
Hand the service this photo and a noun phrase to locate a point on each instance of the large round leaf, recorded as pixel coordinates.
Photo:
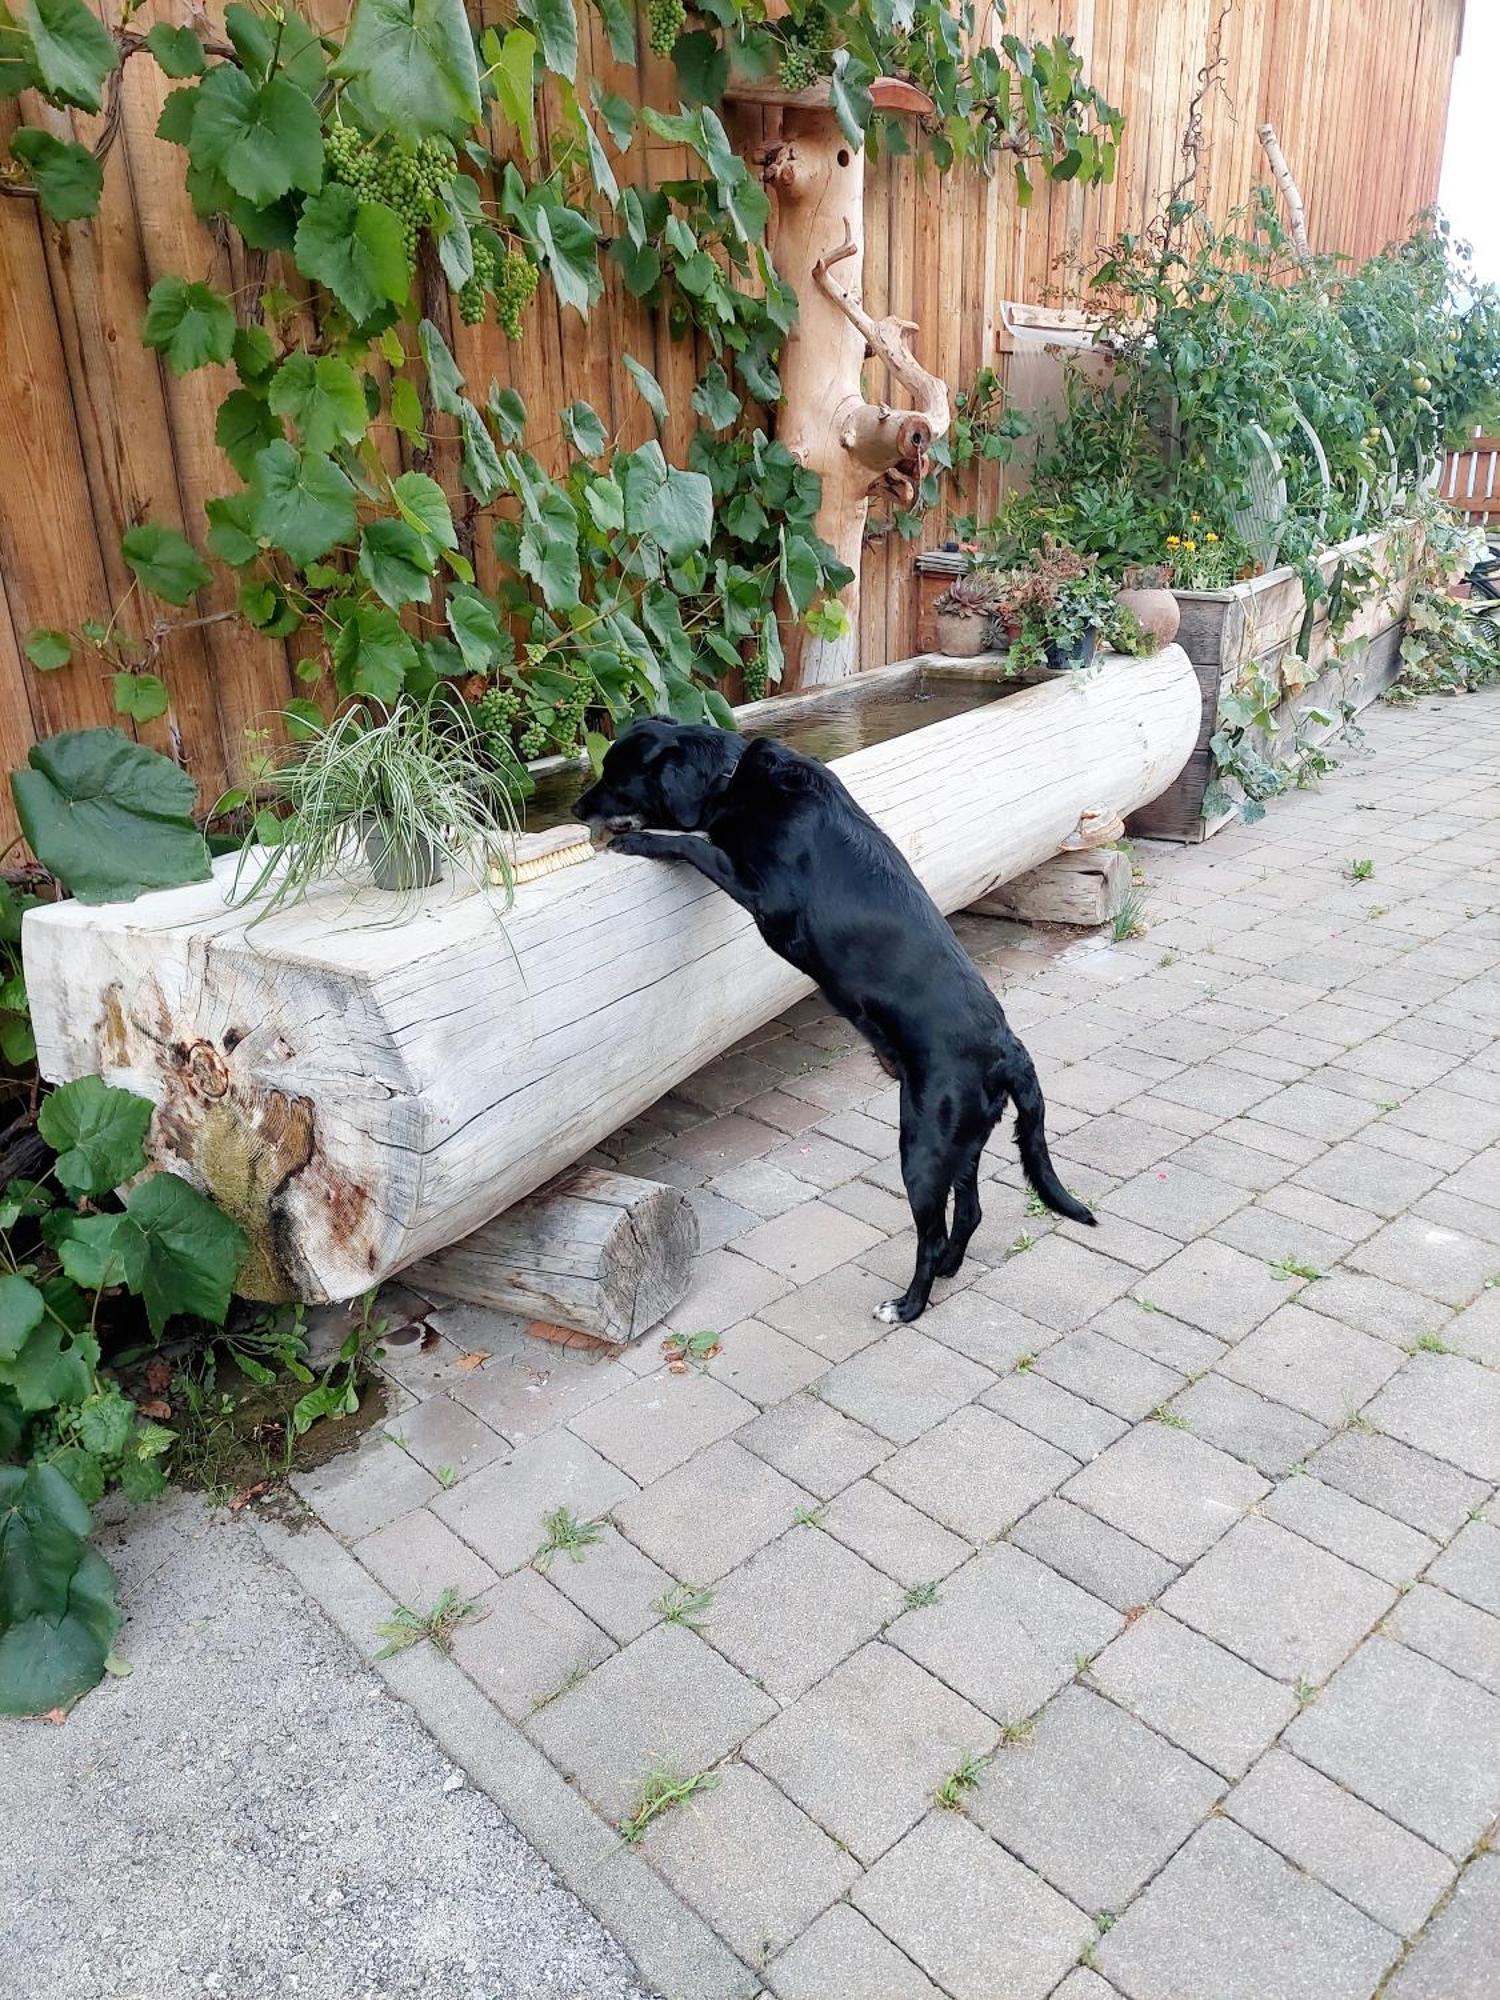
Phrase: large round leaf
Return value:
(179, 1251)
(109, 817)
(97, 1132)
(47, 1664)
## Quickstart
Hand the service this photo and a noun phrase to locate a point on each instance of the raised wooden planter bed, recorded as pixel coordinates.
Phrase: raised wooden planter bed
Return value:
(1225, 633)
(360, 1093)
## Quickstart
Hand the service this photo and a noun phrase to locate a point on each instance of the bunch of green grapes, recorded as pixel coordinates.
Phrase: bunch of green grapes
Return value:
(473, 299)
(556, 729)
(494, 716)
(405, 177)
(515, 286)
(665, 21)
(807, 52)
(756, 676)
(49, 1433)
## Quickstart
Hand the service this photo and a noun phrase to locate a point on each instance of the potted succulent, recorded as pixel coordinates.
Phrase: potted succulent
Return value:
(404, 793)
(1053, 611)
(963, 615)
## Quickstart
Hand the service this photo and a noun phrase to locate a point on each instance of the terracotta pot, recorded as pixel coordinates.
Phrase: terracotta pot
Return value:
(1157, 612)
(960, 635)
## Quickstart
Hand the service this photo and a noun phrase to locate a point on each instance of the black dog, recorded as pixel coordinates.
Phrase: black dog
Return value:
(829, 892)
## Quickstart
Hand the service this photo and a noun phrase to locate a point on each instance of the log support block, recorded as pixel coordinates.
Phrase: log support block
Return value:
(601, 1253)
(1083, 888)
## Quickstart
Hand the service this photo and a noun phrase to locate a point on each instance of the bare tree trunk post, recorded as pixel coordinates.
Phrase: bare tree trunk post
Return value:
(855, 446)
(1291, 194)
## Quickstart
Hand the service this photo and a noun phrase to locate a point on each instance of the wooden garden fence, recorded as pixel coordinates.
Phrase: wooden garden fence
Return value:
(94, 434)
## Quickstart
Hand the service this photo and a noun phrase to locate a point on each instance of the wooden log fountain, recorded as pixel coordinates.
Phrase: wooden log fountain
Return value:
(360, 1092)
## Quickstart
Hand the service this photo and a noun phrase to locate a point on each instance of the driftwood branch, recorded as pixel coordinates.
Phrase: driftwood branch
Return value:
(1291, 194)
(889, 340)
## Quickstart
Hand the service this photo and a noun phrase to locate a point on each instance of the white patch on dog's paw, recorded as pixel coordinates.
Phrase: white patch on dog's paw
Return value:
(889, 1313)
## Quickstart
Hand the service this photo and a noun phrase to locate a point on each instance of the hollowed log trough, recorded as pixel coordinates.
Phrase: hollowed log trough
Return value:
(359, 1093)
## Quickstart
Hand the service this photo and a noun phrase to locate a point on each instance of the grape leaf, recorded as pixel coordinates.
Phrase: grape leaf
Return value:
(43, 1524)
(423, 505)
(143, 697)
(618, 17)
(178, 51)
(21, 1310)
(47, 1662)
(243, 428)
(179, 1251)
(682, 514)
(88, 1250)
(714, 400)
(414, 63)
(109, 817)
(105, 1420)
(355, 248)
(254, 353)
(406, 407)
(165, 562)
(276, 38)
(322, 396)
(473, 623)
(48, 650)
(372, 653)
(49, 1368)
(585, 432)
(190, 324)
(229, 533)
(507, 414)
(303, 502)
(444, 380)
(98, 1133)
(649, 387)
(396, 562)
(73, 52)
(264, 140)
(512, 68)
(67, 178)
(557, 30)
(479, 467)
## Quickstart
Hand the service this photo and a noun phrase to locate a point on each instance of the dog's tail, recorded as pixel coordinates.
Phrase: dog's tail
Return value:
(1031, 1134)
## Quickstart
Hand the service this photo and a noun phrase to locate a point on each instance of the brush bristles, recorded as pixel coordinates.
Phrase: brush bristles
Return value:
(528, 867)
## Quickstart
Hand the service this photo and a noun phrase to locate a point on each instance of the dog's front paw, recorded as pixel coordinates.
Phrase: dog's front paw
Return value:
(889, 1314)
(631, 841)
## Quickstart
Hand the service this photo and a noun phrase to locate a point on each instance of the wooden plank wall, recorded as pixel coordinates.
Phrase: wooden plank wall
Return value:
(94, 433)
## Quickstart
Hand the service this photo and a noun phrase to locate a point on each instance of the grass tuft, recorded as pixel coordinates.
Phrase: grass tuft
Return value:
(410, 1628)
(960, 1781)
(662, 1789)
(565, 1532)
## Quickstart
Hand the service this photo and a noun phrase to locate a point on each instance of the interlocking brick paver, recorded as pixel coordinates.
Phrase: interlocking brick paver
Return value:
(1288, 1607)
(976, 1473)
(1387, 1474)
(1316, 1365)
(970, 1915)
(798, 1608)
(1455, 1958)
(1168, 1489)
(1347, 1527)
(1447, 1406)
(1412, 1739)
(1373, 1863)
(1229, 1917)
(666, 1697)
(1079, 1428)
(1247, 1425)
(1193, 1692)
(1215, 1287)
(1086, 1550)
(1447, 1629)
(1092, 1365)
(498, 1510)
(527, 1644)
(1060, 1282)
(864, 1751)
(362, 1491)
(985, 1329)
(447, 1438)
(1132, 1799)
(762, 1188)
(835, 1316)
(892, 1534)
(1175, 1200)
(530, 1386)
(726, 1287)
(613, 1583)
(766, 1366)
(808, 1241)
(1357, 1172)
(904, 1384)
(711, 1513)
(659, 1421)
(1006, 1632)
(749, 1861)
(417, 1558)
(843, 1957)
(815, 1444)
(1470, 1566)
(1157, 1335)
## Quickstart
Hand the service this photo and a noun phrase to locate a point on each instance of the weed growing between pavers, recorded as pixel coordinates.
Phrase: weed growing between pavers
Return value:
(1361, 871)
(920, 1595)
(565, 1531)
(661, 1790)
(1129, 921)
(1291, 1266)
(409, 1628)
(960, 1781)
(684, 1349)
(682, 1605)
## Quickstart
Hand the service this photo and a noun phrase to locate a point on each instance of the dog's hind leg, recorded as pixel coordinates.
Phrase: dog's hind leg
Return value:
(967, 1214)
(929, 1165)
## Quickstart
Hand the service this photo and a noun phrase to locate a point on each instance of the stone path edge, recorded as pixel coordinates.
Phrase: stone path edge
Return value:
(675, 1950)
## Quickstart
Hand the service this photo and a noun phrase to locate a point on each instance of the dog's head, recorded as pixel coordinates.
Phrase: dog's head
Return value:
(661, 774)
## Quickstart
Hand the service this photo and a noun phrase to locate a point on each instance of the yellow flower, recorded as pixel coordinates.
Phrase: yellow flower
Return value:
(1210, 536)
(1172, 542)
(1195, 517)
(1190, 546)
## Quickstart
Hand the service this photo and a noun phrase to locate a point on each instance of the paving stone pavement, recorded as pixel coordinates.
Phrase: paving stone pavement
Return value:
(1130, 1626)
